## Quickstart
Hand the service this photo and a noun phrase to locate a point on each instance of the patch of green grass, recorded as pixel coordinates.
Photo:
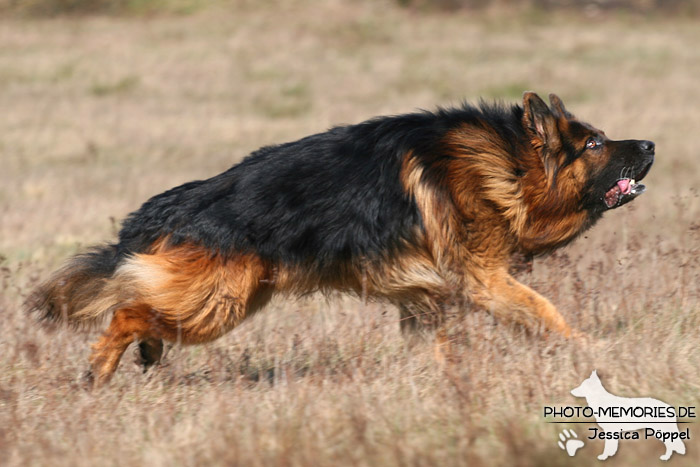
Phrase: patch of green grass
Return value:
(52, 8)
(122, 86)
(64, 72)
(420, 76)
(290, 101)
(269, 74)
(365, 31)
(507, 91)
(183, 7)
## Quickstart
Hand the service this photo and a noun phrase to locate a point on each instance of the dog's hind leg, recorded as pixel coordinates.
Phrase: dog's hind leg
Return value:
(423, 318)
(678, 446)
(415, 320)
(128, 324)
(408, 322)
(673, 446)
(420, 313)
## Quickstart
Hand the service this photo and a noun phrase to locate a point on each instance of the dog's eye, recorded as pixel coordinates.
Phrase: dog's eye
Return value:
(592, 143)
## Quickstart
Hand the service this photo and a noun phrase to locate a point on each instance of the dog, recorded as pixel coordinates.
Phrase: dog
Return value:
(423, 210)
(614, 425)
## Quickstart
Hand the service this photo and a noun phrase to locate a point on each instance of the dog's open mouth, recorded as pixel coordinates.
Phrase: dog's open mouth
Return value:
(626, 189)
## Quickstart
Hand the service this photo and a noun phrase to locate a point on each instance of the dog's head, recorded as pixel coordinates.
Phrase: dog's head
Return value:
(588, 387)
(580, 161)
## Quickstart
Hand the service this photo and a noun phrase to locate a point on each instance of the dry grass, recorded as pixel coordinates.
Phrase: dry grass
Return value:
(99, 114)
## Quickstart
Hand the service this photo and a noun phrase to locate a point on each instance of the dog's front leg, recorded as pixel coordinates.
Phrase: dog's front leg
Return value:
(609, 450)
(507, 299)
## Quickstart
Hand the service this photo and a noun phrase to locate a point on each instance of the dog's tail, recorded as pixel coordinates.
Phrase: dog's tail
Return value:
(79, 293)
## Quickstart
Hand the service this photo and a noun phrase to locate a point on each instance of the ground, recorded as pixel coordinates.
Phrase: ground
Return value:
(99, 113)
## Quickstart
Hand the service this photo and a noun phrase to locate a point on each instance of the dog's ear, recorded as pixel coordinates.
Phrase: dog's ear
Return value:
(541, 124)
(558, 107)
(539, 119)
(594, 375)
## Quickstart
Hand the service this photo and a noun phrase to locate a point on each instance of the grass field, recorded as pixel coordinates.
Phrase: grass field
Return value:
(100, 113)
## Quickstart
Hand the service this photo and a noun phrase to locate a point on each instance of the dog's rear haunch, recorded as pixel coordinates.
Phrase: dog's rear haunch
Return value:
(423, 210)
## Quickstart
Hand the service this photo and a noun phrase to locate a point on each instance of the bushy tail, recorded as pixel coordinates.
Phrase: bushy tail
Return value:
(78, 293)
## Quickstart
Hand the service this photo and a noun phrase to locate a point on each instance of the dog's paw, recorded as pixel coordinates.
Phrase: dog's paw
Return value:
(569, 442)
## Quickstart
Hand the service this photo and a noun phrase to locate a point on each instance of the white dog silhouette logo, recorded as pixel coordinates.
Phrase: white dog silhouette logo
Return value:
(617, 415)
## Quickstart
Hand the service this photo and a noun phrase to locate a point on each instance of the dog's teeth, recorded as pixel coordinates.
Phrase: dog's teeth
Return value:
(632, 182)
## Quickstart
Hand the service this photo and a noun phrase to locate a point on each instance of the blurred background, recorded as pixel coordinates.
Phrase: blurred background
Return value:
(106, 103)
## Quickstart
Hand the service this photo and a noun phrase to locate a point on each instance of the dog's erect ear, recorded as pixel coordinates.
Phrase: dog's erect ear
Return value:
(558, 107)
(542, 126)
(539, 119)
(594, 375)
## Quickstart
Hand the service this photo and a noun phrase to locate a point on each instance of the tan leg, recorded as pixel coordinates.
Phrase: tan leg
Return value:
(510, 300)
(127, 325)
(198, 297)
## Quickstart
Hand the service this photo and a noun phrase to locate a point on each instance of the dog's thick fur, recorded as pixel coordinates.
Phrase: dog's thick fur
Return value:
(422, 210)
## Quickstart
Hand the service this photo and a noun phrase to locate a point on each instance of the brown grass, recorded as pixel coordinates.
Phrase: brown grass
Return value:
(101, 113)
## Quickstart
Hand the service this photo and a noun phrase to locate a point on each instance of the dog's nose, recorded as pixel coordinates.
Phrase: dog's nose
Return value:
(647, 146)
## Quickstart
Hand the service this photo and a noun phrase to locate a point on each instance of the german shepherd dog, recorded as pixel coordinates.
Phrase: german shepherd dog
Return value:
(423, 210)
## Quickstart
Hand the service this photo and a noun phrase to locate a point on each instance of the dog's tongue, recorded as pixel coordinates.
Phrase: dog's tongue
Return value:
(625, 185)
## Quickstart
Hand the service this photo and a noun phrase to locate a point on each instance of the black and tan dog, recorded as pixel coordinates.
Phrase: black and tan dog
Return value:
(421, 210)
